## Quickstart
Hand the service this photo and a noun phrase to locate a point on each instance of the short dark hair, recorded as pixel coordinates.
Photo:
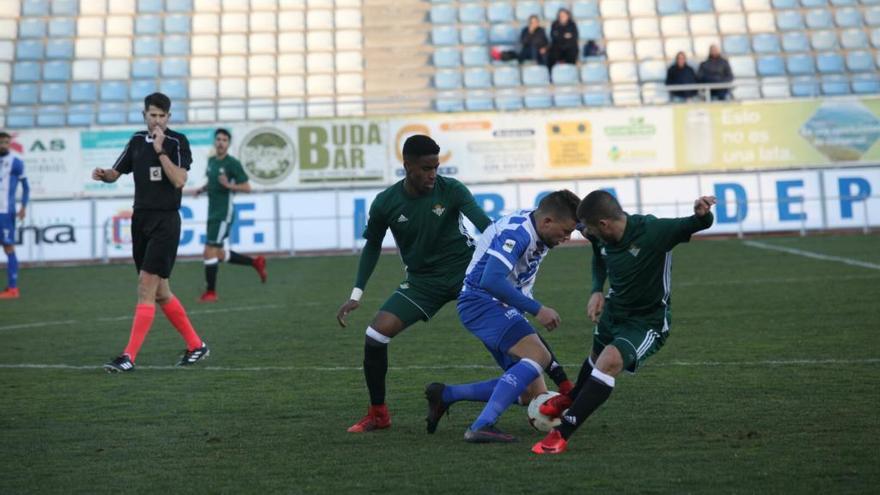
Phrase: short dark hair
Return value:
(599, 205)
(560, 205)
(4, 134)
(419, 145)
(224, 132)
(159, 101)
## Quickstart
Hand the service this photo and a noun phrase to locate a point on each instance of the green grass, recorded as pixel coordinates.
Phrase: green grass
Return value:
(768, 384)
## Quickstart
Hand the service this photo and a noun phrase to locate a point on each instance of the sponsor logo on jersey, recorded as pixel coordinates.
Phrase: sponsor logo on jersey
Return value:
(155, 174)
(268, 155)
(404, 285)
(438, 210)
(402, 218)
(511, 313)
(602, 252)
(509, 245)
(634, 250)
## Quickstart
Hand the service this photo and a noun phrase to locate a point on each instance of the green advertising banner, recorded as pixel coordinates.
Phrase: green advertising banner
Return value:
(736, 136)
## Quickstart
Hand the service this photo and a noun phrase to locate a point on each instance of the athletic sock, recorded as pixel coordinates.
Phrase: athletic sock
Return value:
(177, 316)
(509, 387)
(476, 391)
(11, 270)
(211, 267)
(376, 365)
(554, 370)
(140, 327)
(583, 376)
(240, 259)
(593, 394)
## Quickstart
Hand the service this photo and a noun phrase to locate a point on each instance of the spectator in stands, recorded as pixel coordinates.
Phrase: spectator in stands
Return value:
(564, 39)
(593, 49)
(681, 73)
(715, 69)
(534, 42)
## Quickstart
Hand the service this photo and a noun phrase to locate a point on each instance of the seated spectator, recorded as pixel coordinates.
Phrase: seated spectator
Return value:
(681, 73)
(715, 69)
(563, 39)
(534, 42)
(593, 49)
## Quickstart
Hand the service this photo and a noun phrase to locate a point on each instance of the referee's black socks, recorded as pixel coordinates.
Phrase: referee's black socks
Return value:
(594, 393)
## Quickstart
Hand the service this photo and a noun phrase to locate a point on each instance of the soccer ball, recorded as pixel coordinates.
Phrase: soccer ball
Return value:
(539, 421)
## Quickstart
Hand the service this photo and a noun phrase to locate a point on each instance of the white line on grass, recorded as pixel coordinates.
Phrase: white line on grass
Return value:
(38, 324)
(248, 369)
(811, 254)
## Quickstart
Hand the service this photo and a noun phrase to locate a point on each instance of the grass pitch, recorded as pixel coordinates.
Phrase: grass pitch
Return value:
(767, 384)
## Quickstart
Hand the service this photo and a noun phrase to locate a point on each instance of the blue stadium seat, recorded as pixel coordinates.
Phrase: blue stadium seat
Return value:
(872, 16)
(804, 86)
(848, 17)
(59, 49)
(537, 98)
(823, 40)
(62, 27)
(590, 29)
(700, 6)
(444, 35)
(567, 99)
(736, 44)
(448, 103)
(667, 7)
(795, 41)
(35, 8)
(148, 24)
(175, 45)
(875, 37)
(843, 3)
(766, 43)
(506, 77)
(65, 7)
(56, 70)
(551, 8)
(526, 9)
(500, 12)
(146, 46)
(478, 78)
(112, 113)
(771, 65)
(535, 75)
(652, 70)
(508, 100)
(144, 68)
(819, 19)
(447, 57)
(80, 114)
(447, 79)
(813, 3)
(149, 5)
(475, 56)
(443, 14)
(114, 91)
(23, 93)
(835, 85)
(175, 67)
(19, 117)
(859, 61)
(829, 63)
(180, 6)
(800, 64)
(83, 92)
(478, 102)
(584, 9)
(141, 88)
(853, 39)
(32, 28)
(564, 74)
(595, 97)
(866, 83)
(785, 4)
(29, 50)
(594, 72)
(176, 89)
(53, 93)
(474, 35)
(789, 20)
(504, 34)
(471, 13)
(26, 72)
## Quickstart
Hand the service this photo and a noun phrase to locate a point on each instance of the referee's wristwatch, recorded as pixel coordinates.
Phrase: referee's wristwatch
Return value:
(163, 152)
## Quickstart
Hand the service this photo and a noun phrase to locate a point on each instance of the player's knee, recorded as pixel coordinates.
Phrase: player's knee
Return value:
(375, 338)
(387, 324)
(610, 361)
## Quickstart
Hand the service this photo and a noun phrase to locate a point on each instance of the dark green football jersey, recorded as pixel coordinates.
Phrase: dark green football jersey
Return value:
(429, 230)
(639, 266)
(220, 198)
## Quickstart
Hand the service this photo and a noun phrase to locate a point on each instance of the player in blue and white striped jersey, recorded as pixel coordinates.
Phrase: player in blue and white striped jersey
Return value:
(497, 291)
(11, 174)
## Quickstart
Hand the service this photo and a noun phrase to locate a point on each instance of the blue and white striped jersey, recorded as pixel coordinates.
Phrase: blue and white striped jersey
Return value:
(513, 240)
(11, 172)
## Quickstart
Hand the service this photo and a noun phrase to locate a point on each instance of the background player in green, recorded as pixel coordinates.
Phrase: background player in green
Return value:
(225, 177)
(635, 253)
(424, 213)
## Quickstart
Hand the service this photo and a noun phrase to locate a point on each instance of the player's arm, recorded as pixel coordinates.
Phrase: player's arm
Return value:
(596, 303)
(472, 210)
(374, 234)
(25, 190)
(677, 230)
(123, 165)
(176, 172)
(240, 184)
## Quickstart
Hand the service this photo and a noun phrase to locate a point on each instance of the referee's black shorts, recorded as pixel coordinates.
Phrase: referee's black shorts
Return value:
(155, 236)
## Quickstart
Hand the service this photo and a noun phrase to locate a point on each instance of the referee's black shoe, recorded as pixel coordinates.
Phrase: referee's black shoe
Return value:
(436, 407)
(192, 357)
(122, 364)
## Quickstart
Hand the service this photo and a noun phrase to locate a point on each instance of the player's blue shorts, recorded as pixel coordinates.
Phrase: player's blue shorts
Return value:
(7, 229)
(497, 325)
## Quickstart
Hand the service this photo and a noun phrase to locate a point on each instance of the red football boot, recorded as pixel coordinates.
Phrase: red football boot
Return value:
(553, 443)
(555, 405)
(566, 387)
(12, 293)
(377, 418)
(260, 267)
(208, 297)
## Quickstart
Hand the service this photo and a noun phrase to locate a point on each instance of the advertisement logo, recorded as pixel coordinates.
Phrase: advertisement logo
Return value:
(342, 151)
(570, 144)
(842, 131)
(268, 155)
(121, 232)
(409, 130)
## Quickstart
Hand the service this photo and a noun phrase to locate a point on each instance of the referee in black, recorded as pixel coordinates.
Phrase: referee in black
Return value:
(159, 159)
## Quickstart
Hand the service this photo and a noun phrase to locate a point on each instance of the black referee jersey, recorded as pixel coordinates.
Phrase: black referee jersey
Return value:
(152, 189)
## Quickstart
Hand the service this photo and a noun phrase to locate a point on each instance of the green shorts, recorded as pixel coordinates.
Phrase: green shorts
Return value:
(636, 337)
(420, 298)
(218, 231)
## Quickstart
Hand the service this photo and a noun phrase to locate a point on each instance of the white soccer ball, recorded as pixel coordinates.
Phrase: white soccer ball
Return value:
(539, 421)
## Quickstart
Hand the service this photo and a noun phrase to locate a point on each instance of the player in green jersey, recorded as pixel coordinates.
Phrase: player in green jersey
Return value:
(225, 177)
(635, 253)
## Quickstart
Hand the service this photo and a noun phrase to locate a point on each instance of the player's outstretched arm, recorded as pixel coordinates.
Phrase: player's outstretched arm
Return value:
(703, 205)
(105, 175)
(367, 263)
